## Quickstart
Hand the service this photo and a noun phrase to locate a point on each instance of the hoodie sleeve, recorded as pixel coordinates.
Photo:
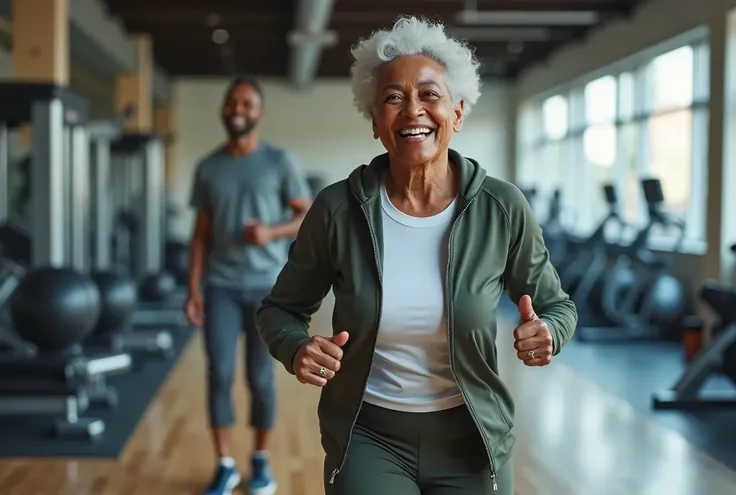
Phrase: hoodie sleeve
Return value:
(529, 271)
(285, 313)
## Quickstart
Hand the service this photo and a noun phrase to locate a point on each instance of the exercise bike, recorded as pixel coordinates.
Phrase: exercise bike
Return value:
(582, 275)
(638, 298)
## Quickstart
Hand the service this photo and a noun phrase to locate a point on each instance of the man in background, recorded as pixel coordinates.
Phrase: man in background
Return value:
(250, 197)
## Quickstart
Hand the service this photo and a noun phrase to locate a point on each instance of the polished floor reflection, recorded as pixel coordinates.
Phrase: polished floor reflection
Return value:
(574, 438)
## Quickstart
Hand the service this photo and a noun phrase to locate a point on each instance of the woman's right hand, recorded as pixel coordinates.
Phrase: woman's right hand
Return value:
(318, 360)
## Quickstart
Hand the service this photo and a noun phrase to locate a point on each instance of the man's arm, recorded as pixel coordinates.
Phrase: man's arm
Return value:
(290, 228)
(198, 250)
(202, 235)
(296, 195)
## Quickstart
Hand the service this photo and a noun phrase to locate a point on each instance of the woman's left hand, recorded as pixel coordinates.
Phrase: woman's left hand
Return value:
(532, 339)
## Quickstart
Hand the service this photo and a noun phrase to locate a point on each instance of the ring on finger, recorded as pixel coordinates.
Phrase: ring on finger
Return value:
(323, 372)
(530, 354)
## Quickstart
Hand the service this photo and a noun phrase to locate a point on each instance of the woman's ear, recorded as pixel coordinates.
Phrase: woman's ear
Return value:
(375, 128)
(457, 125)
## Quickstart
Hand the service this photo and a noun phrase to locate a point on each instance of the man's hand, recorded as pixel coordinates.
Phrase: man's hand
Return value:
(194, 309)
(257, 234)
(532, 339)
(318, 360)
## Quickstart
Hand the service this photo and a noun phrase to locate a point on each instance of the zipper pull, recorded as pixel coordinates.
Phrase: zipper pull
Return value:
(332, 478)
(493, 477)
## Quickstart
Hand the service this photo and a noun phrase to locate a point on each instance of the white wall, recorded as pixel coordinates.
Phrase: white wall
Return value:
(322, 128)
(653, 23)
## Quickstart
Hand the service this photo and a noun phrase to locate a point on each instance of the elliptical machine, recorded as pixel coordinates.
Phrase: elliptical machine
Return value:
(639, 299)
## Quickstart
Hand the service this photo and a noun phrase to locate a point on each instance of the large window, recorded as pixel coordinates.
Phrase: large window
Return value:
(647, 119)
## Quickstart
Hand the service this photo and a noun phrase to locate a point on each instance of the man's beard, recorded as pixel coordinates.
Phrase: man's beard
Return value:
(237, 132)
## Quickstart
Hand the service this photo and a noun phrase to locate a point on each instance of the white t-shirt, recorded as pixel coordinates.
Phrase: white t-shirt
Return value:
(411, 368)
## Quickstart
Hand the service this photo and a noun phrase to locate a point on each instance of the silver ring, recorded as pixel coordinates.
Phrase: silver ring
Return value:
(531, 354)
(323, 372)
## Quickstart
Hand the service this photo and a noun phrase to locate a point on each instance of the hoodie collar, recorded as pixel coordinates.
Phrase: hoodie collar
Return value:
(366, 180)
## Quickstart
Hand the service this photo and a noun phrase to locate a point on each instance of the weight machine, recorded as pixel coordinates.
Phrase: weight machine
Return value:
(138, 187)
(104, 136)
(50, 384)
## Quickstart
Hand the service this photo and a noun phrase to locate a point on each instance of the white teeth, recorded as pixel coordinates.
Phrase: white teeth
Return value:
(415, 131)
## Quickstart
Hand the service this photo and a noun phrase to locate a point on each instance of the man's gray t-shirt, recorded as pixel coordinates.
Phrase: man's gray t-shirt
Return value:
(258, 186)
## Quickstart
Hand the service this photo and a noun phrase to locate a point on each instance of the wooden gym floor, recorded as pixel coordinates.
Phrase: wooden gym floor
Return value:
(574, 438)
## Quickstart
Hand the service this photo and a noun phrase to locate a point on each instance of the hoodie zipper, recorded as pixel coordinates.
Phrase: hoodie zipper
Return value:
(337, 470)
(452, 354)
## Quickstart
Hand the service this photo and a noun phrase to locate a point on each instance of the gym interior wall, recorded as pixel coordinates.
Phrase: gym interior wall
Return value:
(329, 105)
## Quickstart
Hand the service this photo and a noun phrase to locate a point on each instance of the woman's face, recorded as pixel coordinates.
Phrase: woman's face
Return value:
(414, 116)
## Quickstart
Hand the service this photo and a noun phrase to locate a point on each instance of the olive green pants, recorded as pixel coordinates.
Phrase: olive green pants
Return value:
(398, 453)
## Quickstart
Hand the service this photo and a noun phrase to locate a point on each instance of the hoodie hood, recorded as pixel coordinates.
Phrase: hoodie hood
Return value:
(366, 180)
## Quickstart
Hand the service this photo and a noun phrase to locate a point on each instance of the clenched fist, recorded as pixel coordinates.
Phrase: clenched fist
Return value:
(257, 234)
(318, 360)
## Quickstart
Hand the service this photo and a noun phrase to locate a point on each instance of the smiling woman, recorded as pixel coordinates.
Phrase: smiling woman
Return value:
(417, 247)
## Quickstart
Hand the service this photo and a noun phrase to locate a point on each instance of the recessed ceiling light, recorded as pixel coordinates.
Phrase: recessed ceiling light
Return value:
(220, 36)
(213, 20)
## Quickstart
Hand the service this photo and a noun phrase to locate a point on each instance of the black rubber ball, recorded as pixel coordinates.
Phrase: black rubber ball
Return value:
(55, 308)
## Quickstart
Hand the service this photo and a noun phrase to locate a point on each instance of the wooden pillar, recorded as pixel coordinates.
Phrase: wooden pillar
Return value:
(136, 88)
(163, 124)
(40, 46)
(41, 41)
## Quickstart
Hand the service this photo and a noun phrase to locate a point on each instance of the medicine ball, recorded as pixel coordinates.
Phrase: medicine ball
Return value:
(55, 308)
(118, 298)
(157, 287)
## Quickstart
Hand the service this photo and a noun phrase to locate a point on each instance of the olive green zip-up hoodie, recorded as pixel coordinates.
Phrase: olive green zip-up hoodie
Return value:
(495, 244)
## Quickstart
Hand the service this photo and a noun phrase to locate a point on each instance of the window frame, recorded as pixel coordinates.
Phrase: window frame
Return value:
(638, 66)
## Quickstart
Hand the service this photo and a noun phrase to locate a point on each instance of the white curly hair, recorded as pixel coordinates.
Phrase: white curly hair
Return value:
(414, 36)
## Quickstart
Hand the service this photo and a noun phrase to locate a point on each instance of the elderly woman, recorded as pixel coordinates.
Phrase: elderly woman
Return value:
(417, 247)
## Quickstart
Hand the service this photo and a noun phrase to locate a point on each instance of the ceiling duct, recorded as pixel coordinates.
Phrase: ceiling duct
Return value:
(470, 15)
(308, 39)
(529, 18)
(492, 34)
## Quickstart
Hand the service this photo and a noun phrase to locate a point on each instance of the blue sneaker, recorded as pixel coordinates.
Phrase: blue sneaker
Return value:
(225, 481)
(261, 479)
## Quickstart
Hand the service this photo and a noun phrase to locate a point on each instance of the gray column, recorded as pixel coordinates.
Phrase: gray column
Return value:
(79, 204)
(151, 238)
(48, 184)
(102, 213)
